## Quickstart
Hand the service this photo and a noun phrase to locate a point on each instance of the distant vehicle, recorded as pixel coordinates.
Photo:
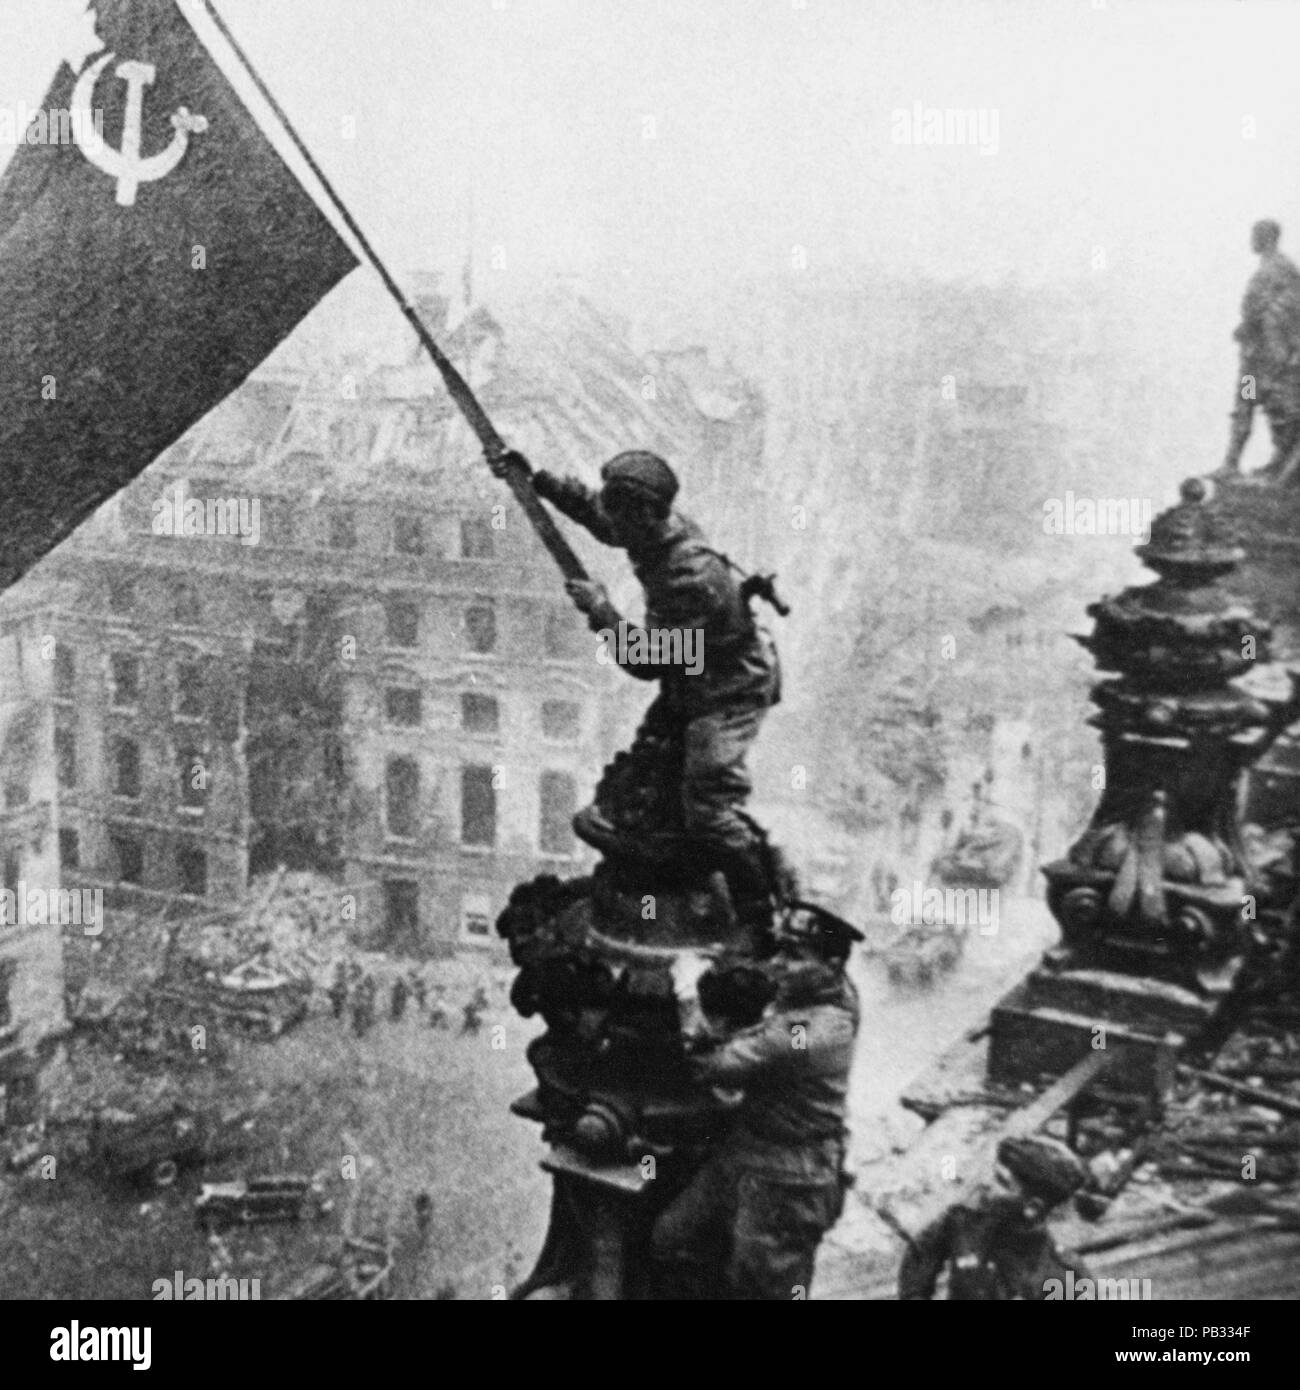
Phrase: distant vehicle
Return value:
(152, 1146)
(277, 1197)
(256, 977)
(923, 953)
(363, 1272)
(988, 852)
(255, 996)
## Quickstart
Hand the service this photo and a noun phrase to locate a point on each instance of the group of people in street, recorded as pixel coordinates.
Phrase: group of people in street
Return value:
(354, 994)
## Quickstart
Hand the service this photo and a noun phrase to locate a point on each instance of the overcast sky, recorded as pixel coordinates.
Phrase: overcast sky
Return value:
(671, 141)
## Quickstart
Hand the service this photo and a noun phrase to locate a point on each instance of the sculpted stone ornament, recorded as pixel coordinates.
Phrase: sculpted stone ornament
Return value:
(1157, 882)
(1155, 898)
(625, 1115)
(618, 1099)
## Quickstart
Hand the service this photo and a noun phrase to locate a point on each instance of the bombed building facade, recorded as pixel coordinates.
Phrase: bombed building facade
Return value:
(314, 634)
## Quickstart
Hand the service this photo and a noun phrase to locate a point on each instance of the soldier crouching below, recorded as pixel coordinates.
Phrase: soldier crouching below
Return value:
(760, 1204)
(996, 1246)
(693, 599)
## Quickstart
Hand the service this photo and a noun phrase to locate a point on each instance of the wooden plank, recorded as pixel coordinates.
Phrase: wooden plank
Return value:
(1132, 1232)
(1285, 1105)
(1063, 1090)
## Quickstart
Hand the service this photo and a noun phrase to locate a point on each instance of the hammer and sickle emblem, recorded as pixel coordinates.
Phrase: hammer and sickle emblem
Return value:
(127, 165)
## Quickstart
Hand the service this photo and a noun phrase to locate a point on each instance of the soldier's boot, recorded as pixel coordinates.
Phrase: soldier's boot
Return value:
(1241, 423)
(1286, 443)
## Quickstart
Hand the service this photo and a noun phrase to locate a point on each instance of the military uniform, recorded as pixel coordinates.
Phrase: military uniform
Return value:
(1270, 311)
(688, 587)
(996, 1246)
(991, 1250)
(1269, 334)
(762, 1201)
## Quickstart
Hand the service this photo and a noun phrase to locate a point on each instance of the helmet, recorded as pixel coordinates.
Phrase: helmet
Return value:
(1044, 1166)
(643, 473)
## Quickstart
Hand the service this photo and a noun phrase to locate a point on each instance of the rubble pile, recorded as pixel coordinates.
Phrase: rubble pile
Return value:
(291, 923)
(153, 973)
(1226, 1147)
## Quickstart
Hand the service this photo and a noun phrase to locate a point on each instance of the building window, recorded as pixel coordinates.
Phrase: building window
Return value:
(402, 801)
(402, 707)
(192, 871)
(16, 792)
(478, 807)
(401, 914)
(559, 800)
(408, 534)
(13, 869)
(65, 756)
(69, 849)
(191, 692)
(126, 767)
(476, 919)
(121, 594)
(128, 857)
(65, 672)
(402, 622)
(481, 628)
(476, 539)
(194, 778)
(561, 720)
(343, 530)
(563, 635)
(479, 714)
(124, 678)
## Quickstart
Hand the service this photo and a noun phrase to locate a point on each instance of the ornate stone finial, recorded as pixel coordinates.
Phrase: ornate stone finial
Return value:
(1155, 883)
(1192, 541)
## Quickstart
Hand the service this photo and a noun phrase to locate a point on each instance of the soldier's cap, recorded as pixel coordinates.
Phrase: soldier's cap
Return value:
(1045, 1166)
(812, 925)
(642, 473)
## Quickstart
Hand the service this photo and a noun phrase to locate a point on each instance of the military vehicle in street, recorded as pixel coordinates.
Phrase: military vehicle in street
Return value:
(275, 1197)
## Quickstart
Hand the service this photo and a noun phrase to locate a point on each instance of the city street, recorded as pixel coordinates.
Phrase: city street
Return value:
(421, 1109)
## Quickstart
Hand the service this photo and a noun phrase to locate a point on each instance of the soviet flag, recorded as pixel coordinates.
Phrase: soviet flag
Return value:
(154, 248)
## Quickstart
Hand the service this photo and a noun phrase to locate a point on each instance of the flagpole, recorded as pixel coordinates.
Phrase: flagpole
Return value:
(517, 479)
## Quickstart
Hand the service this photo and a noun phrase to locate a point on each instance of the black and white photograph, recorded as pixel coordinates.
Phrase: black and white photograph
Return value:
(650, 651)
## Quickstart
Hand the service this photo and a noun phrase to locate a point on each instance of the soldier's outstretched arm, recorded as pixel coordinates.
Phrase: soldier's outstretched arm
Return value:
(820, 1038)
(577, 501)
